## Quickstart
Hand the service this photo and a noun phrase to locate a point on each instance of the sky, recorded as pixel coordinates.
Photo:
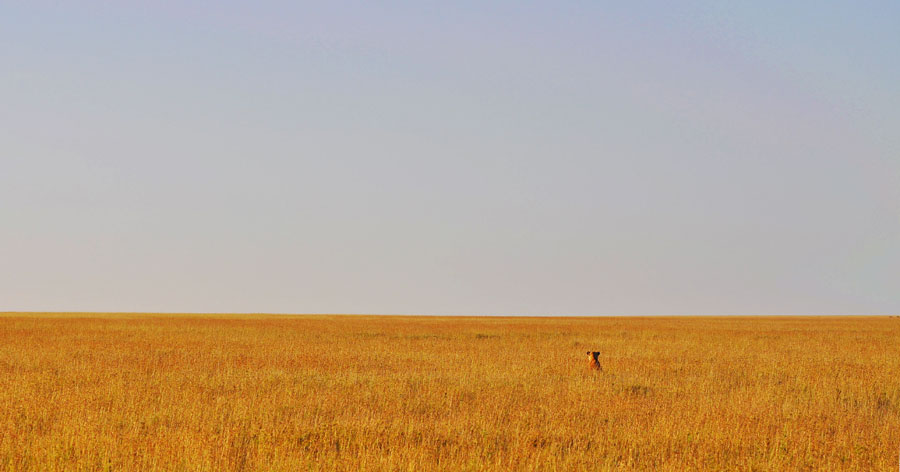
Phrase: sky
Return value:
(470, 158)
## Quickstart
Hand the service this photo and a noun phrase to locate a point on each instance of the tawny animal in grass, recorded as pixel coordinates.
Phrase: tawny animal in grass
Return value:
(594, 363)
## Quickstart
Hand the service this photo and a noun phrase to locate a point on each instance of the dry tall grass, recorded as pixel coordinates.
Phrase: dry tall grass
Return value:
(141, 392)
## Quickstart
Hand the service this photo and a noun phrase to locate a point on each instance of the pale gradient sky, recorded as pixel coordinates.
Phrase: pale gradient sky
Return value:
(564, 157)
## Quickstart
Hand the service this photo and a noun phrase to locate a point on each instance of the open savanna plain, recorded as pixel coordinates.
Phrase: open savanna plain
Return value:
(279, 393)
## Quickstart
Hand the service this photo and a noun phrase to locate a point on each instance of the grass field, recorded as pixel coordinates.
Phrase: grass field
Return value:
(193, 392)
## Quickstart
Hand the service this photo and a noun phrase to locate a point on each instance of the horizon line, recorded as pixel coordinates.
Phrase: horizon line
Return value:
(435, 315)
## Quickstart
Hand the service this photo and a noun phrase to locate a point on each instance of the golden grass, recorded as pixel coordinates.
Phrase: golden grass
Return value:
(211, 392)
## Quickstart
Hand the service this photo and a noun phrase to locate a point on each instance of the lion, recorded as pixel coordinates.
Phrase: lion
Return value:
(594, 363)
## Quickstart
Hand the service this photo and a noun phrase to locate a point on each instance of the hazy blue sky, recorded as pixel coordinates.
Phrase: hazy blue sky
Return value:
(565, 157)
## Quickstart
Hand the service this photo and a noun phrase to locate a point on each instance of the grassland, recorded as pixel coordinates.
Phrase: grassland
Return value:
(191, 392)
